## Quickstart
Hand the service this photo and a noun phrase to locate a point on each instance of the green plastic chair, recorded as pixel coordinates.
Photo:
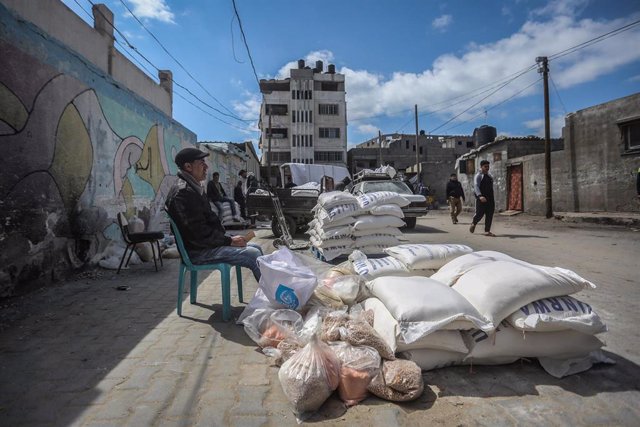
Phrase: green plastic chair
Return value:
(187, 265)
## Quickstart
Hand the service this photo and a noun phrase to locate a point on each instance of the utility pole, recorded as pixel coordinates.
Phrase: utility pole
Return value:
(269, 150)
(543, 68)
(417, 147)
(380, 146)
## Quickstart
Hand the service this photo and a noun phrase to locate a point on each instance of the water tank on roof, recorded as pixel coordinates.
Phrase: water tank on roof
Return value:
(484, 134)
(300, 64)
(319, 67)
(332, 69)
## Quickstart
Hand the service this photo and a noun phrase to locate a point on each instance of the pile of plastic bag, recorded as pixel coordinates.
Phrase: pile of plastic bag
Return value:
(306, 316)
(344, 222)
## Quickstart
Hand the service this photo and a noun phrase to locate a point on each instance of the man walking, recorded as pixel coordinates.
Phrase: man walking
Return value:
(455, 197)
(485, 203)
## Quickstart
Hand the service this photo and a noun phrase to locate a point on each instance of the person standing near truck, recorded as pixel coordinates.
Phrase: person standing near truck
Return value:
(485, 202)
(455, 197)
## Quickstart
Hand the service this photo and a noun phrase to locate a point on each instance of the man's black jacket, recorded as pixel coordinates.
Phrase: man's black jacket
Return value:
(190, 209)
(214, 194)
(454, 189)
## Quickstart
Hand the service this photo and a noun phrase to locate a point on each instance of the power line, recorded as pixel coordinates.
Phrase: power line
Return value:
(494, 106)
(246, 45)
(233, 42)
(555, 89)
(232, 115)
(136, 50)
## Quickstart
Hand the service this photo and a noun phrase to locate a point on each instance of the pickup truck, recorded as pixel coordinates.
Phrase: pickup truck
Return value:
(372, 182)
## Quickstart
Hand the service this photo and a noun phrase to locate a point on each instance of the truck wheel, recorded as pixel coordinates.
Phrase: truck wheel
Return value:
(275, 226)
(411, 222)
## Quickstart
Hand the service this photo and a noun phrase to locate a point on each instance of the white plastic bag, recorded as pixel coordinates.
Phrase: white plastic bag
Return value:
(286, 280)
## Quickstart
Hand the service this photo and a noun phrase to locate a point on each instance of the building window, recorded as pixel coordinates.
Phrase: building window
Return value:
(329, 86)
(279, 156)
(277, 133)
(328, 156)
(469, 144)
(277, 109)
(420, 150)
(407, 144)
(630, 132)
(328, 109)
(497, 157)
(329, 132)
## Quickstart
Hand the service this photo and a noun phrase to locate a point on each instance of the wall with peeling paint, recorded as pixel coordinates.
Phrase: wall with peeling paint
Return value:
(76, 148)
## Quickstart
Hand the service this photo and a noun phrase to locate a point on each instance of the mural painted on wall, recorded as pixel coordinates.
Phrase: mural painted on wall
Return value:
(73, 157)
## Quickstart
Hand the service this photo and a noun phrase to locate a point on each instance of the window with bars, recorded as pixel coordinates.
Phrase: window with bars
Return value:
(630, 133)
(328, 109)
(329, 132)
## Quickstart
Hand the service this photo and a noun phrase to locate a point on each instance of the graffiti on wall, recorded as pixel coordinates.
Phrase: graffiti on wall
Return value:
(73, 157)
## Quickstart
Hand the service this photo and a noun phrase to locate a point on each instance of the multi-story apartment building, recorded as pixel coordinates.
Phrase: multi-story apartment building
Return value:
(303, 118)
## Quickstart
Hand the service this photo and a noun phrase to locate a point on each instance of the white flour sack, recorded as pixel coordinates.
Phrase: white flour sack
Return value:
(335, 198)
(421, 256)
(377, 239)
(378, 198)
(509, 343)
(337, 212)
(451, 271)
(382, 230)
(286, 281)
(557, 314)
(372, 222)
(500, 288)
(428, 359)
(377, 267)
(394, 210)
(422, 306)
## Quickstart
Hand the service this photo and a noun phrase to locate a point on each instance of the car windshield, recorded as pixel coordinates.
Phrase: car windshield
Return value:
(396, 186)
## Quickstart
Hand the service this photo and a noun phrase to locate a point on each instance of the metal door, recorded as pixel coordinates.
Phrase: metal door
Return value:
(514, 192)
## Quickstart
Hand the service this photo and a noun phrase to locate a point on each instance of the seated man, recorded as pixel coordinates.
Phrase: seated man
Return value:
(290, 183)
(217, 196)
(204, 236)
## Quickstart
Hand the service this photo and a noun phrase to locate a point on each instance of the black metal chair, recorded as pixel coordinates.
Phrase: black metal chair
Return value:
(132, 239)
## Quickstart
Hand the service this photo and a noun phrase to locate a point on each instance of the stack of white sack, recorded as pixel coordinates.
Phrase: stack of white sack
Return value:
(530, 312)
(330, 230)
(226, 217)
(377, 226)
(409, 260)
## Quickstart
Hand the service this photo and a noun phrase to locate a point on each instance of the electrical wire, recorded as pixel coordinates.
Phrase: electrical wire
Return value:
(555, 89)
(246, 45)
(231, 115)
(233, 43)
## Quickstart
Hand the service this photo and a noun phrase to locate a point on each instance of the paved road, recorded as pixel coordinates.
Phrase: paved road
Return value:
(84, 353)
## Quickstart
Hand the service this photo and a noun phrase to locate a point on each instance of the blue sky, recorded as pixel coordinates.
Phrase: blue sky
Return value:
(444, 56)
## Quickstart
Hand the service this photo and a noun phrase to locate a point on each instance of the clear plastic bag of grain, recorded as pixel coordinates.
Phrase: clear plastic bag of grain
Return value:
(359, 332)
(398, 381)
(331, 324)
(283, 352)
(267, 327)
(359, 365)
(310, 376)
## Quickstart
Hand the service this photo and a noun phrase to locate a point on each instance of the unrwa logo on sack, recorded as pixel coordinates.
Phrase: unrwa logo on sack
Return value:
(286, 296)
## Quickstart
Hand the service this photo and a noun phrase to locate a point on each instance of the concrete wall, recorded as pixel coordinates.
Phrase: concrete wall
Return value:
(227, 160)
(602, 172)
(77, 148)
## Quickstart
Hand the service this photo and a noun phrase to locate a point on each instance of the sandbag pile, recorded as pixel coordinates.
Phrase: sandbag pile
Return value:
(344, 222)
(487, 308)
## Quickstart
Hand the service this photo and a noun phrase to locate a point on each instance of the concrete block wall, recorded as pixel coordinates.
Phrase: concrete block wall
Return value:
(77, 148)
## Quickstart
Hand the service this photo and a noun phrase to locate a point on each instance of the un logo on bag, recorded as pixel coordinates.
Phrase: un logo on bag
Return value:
(287, 297)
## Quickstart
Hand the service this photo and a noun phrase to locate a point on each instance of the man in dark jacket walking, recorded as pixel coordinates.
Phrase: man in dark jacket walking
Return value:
(204, 236)
(485, 202)
(455, 197)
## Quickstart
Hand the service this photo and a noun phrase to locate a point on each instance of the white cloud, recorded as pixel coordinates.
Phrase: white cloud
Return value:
(555, 126)
(249, 109)
(367, 128)
(152, 9)
(325, 56)
(561, 8)
(452, 76)
(442, 22)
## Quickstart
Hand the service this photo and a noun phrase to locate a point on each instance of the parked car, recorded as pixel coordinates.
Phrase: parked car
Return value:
(381, 182)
